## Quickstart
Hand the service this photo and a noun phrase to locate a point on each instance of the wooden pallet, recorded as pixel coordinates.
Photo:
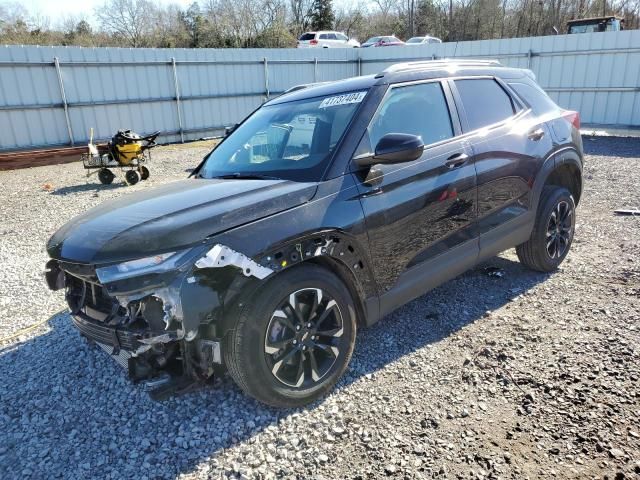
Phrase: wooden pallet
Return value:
(38, 158)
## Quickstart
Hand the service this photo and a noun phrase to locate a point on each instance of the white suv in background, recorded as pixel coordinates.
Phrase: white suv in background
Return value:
(326, 39)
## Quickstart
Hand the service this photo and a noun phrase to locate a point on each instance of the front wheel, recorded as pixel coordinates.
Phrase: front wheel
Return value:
(553, 231)
(105, 176)
(295, 339)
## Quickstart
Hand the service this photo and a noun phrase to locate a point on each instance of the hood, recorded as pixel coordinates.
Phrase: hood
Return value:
(171, 217)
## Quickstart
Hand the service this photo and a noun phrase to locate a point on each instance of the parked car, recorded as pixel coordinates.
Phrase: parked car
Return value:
(323, 211)
(596, 24)
(385, 41)
(422, 40)
(326, 39)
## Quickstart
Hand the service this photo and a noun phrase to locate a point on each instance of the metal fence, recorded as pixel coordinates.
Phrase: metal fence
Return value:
(52, 96)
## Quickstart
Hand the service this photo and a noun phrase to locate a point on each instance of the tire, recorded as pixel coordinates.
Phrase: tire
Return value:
(106, 176)
(550, 241)
(144, 172)
(263, 352)
(132, 177)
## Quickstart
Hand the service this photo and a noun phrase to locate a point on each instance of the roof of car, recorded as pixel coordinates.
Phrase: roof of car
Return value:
(402, 72)
(594, 19)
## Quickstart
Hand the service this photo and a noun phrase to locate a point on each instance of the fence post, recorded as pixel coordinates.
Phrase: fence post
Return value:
(315, 69)
(359, 65)
(64, 100)
(529, 53)
(266, 77)
(177, 89)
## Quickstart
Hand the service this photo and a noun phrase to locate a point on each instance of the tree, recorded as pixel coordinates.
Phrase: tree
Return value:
(301, 11)
(322, 16)
(130, 20)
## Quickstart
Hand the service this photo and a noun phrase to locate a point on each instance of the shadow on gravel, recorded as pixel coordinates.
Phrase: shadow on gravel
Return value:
(626, 147)
(67, 409)
(87, 187)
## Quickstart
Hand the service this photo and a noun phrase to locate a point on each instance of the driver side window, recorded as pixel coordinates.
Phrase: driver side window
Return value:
(415, 109)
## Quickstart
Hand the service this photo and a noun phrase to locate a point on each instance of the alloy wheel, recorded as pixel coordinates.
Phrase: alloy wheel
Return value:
(303, 338)
(559, 230)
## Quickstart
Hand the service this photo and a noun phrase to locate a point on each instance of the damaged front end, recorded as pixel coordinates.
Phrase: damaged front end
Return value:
(159, 316)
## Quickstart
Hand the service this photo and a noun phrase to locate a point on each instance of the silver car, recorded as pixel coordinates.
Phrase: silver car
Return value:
(422, 40)
(326, 39)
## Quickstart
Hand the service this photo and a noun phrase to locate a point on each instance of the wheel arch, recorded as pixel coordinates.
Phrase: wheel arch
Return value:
(333, 250)
(563, 168)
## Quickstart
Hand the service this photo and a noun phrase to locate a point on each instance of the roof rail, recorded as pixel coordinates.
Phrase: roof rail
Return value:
(303, 86)
(443, 62)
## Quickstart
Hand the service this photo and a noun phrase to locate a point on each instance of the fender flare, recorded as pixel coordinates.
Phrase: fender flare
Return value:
(331, 248)
(564, 156)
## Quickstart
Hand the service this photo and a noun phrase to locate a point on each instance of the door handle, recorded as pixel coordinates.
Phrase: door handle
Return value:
(536, 134)
(456, 160)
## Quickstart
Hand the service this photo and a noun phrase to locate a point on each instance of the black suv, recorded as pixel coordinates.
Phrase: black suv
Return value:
(324, 210)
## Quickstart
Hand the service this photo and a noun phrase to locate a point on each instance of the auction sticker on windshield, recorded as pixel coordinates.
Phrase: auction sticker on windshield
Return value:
(355, 97)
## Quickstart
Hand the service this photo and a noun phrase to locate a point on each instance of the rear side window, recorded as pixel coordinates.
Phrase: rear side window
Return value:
(324, 36)
(537, 98)
(307, 36)
(485, 102)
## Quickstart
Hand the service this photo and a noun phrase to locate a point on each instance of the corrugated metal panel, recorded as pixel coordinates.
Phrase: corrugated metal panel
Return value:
(108, 88)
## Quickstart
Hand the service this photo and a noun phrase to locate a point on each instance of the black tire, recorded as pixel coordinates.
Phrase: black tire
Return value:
(550, 240)
(261, 371)
(144, 172)
(132, 177)
(106, 176)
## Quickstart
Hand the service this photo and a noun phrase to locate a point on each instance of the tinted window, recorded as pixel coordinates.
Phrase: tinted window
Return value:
(415, 40)
(307, 36)
(484, 101)
(535, 97)
(324, 36)
(332, 36)
(416, 109)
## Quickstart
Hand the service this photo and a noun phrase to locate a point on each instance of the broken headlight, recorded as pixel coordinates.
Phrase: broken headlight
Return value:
(154, 264)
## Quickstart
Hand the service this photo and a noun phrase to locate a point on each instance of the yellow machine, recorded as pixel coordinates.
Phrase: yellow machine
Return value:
(126, 150)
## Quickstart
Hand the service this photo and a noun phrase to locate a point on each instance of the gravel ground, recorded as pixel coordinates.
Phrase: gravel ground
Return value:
(524, 375)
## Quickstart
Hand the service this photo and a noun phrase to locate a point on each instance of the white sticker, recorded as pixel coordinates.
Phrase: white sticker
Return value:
(355, 97)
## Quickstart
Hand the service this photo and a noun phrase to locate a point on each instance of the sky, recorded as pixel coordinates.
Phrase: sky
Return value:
(58, 9)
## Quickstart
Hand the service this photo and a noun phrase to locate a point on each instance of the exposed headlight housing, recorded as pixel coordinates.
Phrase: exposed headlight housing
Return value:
(154, 264)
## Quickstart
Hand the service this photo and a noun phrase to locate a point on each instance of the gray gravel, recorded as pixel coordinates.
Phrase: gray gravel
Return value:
(524, 375)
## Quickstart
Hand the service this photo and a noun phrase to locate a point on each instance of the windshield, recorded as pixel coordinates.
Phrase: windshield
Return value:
(292, 141)
(415, 40)
(373, 40)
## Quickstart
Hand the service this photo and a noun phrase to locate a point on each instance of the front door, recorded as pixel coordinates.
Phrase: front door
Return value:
(418, 211)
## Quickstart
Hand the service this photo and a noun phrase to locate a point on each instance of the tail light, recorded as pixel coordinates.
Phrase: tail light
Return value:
(313, 42)
(572, 117)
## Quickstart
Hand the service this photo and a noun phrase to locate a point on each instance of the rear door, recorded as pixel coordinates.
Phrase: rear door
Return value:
(324, 41)
(510, 143)
(419, 210)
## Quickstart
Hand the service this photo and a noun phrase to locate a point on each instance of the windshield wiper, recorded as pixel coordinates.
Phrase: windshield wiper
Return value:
(245, 176)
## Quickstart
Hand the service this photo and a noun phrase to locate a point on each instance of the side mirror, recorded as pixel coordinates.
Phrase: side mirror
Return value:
(393, 148)
(229, 130)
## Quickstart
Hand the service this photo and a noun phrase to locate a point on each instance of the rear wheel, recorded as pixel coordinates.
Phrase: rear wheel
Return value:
(552, 233)
(144, 172)
(295, 339)
(105, 176)
(132, 177)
